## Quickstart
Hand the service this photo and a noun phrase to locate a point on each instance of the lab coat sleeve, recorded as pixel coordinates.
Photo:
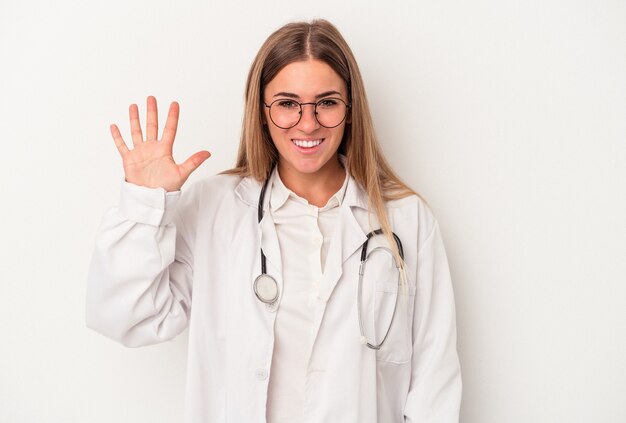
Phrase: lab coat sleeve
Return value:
(139, 283)
(435, 389)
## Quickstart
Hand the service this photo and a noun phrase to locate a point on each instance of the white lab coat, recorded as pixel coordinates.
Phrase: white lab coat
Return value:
(164, 262)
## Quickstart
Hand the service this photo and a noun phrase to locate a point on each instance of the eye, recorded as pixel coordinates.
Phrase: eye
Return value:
(328, 103)
(286, 104)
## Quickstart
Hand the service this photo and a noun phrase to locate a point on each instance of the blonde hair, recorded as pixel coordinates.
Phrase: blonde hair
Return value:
(319, 40)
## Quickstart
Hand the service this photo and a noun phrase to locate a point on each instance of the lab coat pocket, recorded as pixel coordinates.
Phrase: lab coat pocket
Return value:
(393, 306)
(389, 304)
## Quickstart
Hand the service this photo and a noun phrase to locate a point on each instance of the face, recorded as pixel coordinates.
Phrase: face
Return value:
(308, 149)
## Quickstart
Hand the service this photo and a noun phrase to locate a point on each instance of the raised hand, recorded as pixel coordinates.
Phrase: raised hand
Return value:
(150, 162)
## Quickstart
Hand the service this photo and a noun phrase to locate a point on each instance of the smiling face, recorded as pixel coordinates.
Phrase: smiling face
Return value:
(308, 150)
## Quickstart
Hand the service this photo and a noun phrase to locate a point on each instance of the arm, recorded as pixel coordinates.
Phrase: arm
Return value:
(140, 278)
(139, 288)
(435, 389)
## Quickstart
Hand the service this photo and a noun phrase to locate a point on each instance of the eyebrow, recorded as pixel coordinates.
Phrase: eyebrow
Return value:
(296, 96)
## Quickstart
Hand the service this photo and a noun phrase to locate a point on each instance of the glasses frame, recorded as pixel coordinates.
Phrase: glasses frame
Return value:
(315, 104)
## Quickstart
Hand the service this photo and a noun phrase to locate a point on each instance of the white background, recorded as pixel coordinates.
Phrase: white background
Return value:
(508, 116)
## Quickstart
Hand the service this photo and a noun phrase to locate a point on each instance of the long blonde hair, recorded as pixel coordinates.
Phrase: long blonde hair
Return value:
(319, 40)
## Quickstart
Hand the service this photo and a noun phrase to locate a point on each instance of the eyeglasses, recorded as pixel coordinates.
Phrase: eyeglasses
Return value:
(329, 112)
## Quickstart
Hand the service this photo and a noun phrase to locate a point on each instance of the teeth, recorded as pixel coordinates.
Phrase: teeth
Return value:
(307, 144)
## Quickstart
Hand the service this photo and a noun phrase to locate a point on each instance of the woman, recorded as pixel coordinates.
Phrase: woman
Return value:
(263, 263)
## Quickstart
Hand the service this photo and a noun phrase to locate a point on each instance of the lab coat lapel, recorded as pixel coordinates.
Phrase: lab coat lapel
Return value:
(269, 242)
(347, 239)
(248, 191)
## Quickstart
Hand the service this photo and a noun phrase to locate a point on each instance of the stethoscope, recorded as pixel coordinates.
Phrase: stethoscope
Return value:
(266, 287)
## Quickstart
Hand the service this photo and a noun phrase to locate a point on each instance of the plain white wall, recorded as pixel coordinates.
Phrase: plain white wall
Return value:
(508, 116)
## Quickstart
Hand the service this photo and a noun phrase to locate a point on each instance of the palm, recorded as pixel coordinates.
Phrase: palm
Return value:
(150, 163)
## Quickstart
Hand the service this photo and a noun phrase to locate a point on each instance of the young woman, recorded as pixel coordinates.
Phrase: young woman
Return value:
(314, 283)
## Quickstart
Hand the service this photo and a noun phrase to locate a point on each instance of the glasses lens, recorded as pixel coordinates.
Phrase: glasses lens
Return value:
(285, 113)
(330, 112)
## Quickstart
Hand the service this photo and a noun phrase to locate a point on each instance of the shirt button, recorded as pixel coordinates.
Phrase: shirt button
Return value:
(318, 239)
(260, 373)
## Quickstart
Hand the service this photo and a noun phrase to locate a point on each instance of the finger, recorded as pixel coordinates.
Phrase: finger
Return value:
(169, 133)
(152, 121)
(135, 126)
(193, 162)
(119, 141)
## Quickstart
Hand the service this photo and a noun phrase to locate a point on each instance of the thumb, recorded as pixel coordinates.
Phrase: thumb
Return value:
(193, 162)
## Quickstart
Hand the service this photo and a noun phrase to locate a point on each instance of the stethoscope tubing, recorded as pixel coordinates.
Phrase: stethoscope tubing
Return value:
(260, 216)
(270, 296)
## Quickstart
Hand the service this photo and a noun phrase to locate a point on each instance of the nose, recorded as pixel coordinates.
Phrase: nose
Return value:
(308, 121)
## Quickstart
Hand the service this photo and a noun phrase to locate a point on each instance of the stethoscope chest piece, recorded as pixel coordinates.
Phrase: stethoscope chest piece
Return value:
(266, 288)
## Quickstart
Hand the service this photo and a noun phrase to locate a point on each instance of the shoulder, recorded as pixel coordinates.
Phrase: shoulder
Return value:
(413, 208)
(220, 183)
(213, 192)
(413, 204)
(410, 213)
(215, 198)
(215, 187)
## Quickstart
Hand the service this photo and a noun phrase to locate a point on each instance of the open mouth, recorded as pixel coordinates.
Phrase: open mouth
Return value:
(307, 143)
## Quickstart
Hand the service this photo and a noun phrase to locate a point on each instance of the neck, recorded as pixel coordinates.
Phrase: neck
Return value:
(316, 188)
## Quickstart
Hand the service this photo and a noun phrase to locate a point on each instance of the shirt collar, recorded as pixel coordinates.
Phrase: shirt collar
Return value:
(279, 193)
(247, 190)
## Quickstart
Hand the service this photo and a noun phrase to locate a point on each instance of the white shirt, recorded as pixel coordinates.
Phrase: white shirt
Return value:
(165, 262)
(304, 234)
